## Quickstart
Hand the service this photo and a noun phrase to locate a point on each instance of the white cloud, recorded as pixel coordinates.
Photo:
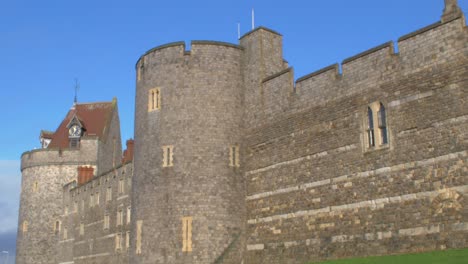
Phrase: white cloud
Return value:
(10, 185)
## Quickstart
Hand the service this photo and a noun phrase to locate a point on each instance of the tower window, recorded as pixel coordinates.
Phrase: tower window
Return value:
(234, 156)
(57, 227)
(35, 186)
(168, 156)
(121, 186)
(65, 233)
(25, 227)
(376, 114)
(138, 237)
(154, 99)
(74, 143)
(187, 234)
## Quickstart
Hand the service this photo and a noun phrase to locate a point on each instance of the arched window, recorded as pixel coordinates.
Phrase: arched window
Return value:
(383, 124)
(370, 127)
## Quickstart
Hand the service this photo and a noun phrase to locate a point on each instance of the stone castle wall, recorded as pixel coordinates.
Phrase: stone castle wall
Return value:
(315, 190)
(305, 186)
(87, 207)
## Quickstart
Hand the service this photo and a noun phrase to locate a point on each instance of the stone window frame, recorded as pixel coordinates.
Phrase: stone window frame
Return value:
(118, 241)
(129, 214)
(57, 226)
(234, 156)
(139, 233)
(25, 226)
(154, 99)
(168, 156)
(127, 240)
(187, 233)
(35, 187)
(374, 125)
(109, 194)
(106, 221)
(120, 217)
(121, 186)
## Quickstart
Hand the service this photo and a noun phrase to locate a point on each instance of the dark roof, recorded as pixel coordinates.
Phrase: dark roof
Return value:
(93, 116)
(46, 134)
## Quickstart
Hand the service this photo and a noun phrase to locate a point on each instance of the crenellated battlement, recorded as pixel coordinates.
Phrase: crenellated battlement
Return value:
(428, 47)
(179, 49)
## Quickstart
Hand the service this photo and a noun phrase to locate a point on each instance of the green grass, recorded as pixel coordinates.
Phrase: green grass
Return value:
(435, 257)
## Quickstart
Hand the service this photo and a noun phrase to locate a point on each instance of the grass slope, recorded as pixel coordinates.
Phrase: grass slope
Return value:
(435, 257)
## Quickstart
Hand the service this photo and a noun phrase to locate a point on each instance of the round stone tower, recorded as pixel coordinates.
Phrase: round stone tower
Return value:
(187, 184)
(44, 173)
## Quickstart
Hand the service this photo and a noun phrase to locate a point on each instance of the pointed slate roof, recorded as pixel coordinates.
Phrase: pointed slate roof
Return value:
(95, 118)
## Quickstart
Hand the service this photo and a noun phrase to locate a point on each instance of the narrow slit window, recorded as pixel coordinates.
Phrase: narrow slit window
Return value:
(234, 160)
(154, 99)
(118, 241)
(129, 214)
(120, 217)
(187, 234)
(370, 127)
(138, 237)
(109, 194)
(35, 186)
(383, 124)
(25, 227)
(81, 229)
(168, 156)
(121, 186)
(57, 227)
(65, 233)
(106, 221)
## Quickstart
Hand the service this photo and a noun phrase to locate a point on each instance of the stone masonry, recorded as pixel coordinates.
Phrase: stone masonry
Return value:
(236, 162)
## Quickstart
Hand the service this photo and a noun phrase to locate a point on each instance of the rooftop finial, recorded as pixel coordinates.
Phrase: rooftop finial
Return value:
(77, 87)
(451, 10)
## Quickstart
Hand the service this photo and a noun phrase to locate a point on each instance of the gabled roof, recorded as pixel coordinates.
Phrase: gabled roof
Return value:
(46, 134)
(94, 117)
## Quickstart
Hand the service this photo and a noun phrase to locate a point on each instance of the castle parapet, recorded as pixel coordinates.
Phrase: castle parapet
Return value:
(86, 154)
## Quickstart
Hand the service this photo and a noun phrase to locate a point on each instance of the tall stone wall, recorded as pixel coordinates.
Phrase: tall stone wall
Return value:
(89, 238)
(199, 119)
(316, 190)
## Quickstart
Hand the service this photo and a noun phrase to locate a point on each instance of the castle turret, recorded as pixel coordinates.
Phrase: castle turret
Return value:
(88, 136)
(188, 203)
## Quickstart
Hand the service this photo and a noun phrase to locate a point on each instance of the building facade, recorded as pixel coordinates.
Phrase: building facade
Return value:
(235, 162)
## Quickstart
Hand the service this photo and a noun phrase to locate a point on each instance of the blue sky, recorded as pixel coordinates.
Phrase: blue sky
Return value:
(45, 45)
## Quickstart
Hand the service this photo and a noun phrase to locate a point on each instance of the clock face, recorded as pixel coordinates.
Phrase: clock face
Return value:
(74, 131)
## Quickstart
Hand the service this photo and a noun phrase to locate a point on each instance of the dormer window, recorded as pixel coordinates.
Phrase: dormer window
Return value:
(75, 131)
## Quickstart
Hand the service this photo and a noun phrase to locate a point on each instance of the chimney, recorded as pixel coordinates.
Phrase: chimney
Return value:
(128, 153)
(85, 174)
(451, 11)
